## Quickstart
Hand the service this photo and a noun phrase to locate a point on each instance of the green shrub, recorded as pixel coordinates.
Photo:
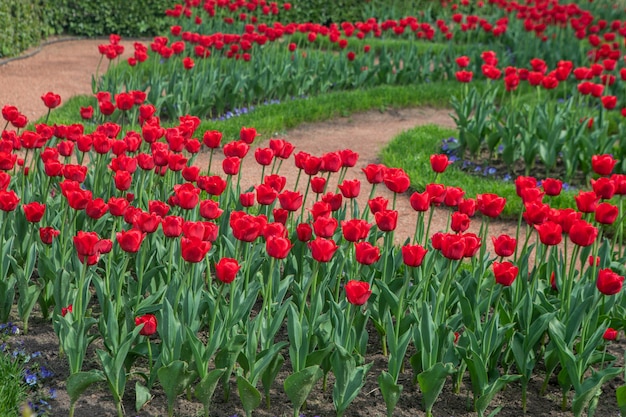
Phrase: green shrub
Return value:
(134, 18)
(21, 25)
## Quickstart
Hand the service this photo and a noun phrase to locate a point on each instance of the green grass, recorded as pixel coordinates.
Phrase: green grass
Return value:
(276, 118)
(12, 387)
(411, 151)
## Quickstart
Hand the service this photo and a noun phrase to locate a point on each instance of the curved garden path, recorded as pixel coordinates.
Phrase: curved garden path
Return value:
(66, 68)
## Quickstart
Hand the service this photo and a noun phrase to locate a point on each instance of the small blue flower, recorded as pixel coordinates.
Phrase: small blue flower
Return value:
(506, 177)
(30, 378)
(45, 372)
(52, 393)
(490, 170)
(478, 169)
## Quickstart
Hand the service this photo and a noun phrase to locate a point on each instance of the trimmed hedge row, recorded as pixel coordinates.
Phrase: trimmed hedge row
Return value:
(136, 18)
(24, 23)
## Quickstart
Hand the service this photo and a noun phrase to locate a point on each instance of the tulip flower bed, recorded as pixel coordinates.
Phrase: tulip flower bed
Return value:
(172, 276)
(184, 280)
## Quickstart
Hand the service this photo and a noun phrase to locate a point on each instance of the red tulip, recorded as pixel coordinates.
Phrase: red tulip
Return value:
(334, 200)
(582, 233)
(246, 227)
(322, 250)
(65, 310)
(439, 163)
(34, 211)
(186, 196)
(413, 255)
(610, 334)
(462, 61)
(453, 196)
(172, 226)
(603, 164)
(603, 187)
(366, 253)
(318, 184)
(505, 273)
(194, 250)
(264, 156)
(609, 102)
(386, 220)
(210, 209)
(123, 180)
(331, 162)
(325, 226)
(464, 76)
(550, 233)
(460, 222)
(436, 193)
(278, 247)
(214, 185)
(212, 139)
(350, 188)
(231, 165)
(265, 194)
(453, 247)
(349, 158)
(226, 270)
(490, 205)
(8, 200)
(467, 206)
(355, 230)
(504, 245)
(130, 241)
(552, 186)
(522, 183)
(586, 201)
(321, 209)
(536, 213)
(149, 322)
(247, 199)
(290, 200)
(374, 173)
(51, 100)
(247, 134)
(396, 180)
(147, 222)
(277, 182)
(472, 244)
(304, 232)
(378, 204)
(238, 148)
(609, 282)
(357, 292)
(420, 201)
(606, 213)
(47, 234)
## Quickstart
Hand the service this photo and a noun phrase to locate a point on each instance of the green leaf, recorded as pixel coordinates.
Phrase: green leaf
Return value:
(390, 390)
(249, 395)
(142, 396)
(77, 383)
(206, 387)
(431, 383)
(620, 393)
(298, 386)
(591, 388)
(491, 390)
(174, 379)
